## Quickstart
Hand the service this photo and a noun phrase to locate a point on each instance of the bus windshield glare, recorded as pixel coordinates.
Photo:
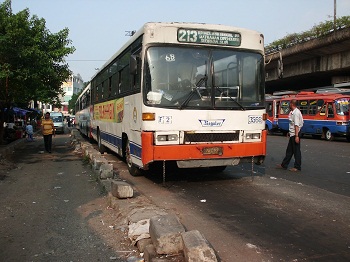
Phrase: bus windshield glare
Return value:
(207, 78)
(342, 106)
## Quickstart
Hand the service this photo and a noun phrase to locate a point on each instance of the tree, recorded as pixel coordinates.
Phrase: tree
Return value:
(320, 30)
(32, 59)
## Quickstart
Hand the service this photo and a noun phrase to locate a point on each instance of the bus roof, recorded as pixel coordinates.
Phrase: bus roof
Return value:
(151, 28)
(312, 95)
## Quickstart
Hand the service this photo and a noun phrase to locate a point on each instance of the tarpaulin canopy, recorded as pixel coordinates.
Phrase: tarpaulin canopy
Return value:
(18, 111)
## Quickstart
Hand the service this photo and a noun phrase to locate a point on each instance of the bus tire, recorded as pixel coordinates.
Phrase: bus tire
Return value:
(328, 135)
(101, 148)
(348, 138)
(132, 168)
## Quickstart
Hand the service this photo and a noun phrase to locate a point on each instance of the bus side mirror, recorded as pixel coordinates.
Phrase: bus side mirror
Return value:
(133, 64)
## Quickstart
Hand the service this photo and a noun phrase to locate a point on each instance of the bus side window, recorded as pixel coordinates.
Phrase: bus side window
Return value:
(276, 108)
(320, 104)
(313, 107)
(269, 108)
(303, 106)
(330, 110)
(284, 108)
(323, 110)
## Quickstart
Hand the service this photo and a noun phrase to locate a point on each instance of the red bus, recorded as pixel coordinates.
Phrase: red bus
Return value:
(272, 103)
(325, 115)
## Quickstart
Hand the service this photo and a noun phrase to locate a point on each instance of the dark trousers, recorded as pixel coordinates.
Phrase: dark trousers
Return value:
(48, 142)
(293, 148)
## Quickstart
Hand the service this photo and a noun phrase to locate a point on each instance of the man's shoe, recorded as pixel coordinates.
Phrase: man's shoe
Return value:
(280, 167)
(294, 169)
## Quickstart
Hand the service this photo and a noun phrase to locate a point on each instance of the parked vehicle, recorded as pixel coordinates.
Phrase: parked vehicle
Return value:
(272, 104)
(325, 115)
(58, 121)
(183, 92)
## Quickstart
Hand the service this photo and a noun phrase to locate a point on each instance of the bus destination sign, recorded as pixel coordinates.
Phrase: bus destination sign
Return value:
(208, 37)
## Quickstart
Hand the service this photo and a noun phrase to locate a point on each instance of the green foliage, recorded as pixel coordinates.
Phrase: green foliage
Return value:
(32, 59)
(320, 30)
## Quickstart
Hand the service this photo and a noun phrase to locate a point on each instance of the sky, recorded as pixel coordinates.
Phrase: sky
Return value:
(98, 28)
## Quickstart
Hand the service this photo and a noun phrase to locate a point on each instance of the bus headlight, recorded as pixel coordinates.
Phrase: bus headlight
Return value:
(252, 136)
(166, 139)
(342, 123)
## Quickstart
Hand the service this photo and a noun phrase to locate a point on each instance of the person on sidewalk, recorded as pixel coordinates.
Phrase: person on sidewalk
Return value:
(295, 124)
(29, 131)
(47, 129)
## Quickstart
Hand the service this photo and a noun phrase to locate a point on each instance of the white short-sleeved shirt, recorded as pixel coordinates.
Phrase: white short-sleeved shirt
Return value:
(295, 119)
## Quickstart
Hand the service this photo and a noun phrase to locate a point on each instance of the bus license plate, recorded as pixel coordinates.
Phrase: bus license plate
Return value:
(212, 151)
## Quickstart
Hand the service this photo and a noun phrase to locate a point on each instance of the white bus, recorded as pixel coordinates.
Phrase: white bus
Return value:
(185, 92)
(83, 112)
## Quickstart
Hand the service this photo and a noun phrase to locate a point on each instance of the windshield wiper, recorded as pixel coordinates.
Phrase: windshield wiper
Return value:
(234, 100)
(193, 91)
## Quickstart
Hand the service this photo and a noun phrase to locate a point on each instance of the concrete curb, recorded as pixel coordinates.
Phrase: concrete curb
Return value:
(166, 238)
(10, 148)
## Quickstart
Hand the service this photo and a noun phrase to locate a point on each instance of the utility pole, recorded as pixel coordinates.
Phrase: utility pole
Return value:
(335, 15)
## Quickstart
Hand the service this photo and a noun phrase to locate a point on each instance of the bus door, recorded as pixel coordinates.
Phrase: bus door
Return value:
(275, 111)
(270, 116)
(328, 123)
(330, 111)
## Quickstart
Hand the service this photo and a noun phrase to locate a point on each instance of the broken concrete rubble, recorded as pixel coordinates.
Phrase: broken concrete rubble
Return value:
(162, 235)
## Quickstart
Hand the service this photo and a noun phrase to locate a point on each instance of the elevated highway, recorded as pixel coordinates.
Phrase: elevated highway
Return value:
(316, 63)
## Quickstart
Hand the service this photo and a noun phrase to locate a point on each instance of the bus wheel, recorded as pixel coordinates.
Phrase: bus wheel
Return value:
(328, 135)
(133, 170)
(348, 138)
(217, 169)
(101, 148)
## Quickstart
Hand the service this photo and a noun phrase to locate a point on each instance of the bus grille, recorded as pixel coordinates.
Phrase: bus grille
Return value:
(210, 137)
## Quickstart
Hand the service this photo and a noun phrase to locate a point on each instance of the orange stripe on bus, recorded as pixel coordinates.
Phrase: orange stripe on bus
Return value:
(150, 152)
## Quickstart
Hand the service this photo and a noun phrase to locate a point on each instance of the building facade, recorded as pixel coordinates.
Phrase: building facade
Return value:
(73, 85)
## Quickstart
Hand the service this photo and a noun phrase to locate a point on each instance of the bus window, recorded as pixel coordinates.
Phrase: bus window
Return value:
(313, 107)
(303, 106)
(276, 108)
(320, 103)
(284, 108)
(269, 108)
(342, 106)
(330, 110)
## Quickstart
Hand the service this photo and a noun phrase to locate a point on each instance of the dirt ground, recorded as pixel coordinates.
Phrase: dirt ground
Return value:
(60, 196)
(54, 209)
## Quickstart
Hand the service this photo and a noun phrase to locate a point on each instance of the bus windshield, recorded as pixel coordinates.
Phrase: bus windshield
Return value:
(342, 106)
(180, 77)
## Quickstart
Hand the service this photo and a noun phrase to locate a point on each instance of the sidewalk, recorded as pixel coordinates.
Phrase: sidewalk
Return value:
(8, 149)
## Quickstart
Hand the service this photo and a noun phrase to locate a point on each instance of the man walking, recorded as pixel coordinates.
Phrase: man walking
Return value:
(295, 124)
(47, 129)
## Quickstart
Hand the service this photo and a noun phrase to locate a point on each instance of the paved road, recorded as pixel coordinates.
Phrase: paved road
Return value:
(52, 209)
(274, 215)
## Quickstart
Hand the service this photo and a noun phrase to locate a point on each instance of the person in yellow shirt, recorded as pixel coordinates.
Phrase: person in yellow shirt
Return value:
(47, 129)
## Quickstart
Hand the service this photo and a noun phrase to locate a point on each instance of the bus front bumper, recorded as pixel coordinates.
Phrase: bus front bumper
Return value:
(203, 155)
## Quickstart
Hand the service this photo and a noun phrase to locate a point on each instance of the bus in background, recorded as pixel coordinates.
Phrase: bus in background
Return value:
(83, 109)
(272, 103)
(188, 93)
(325, 115)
